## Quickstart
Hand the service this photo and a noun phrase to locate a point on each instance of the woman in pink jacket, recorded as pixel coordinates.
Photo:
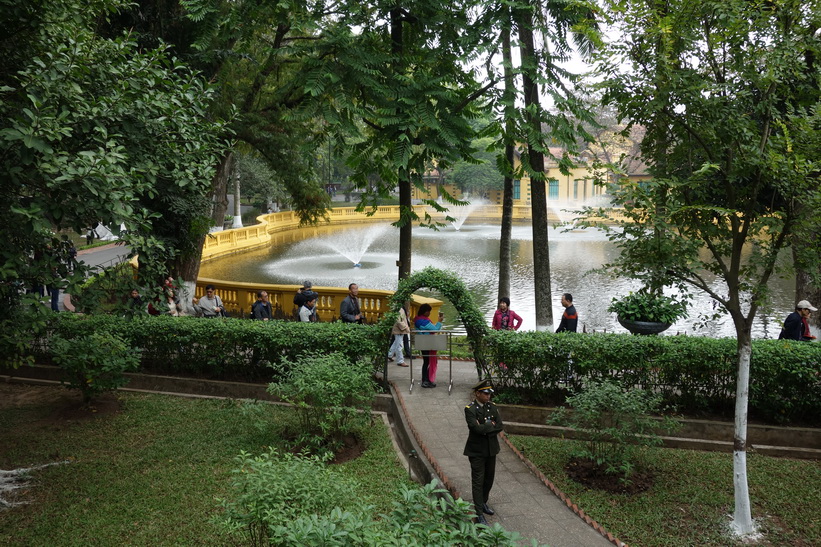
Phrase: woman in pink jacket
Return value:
(505, 318)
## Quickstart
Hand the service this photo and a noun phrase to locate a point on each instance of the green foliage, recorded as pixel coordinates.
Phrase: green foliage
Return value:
(223, 348)
(159, 462)
(95, 129)
(454, 290)
(615, 422)
(687, 504)
(646, 306)
(287, 500)
(104, 291)
(273, 489)
(734, 162)
(94, 363)
(330, 394)
(480, 178)
(25, 321)
(695, 375)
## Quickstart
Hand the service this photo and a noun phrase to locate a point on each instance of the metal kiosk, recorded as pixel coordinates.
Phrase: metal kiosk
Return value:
(427, 340)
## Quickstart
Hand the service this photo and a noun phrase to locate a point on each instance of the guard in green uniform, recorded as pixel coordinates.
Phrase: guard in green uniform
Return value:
(484, 426)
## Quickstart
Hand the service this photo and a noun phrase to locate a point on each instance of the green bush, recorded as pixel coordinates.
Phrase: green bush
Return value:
(694, 374)
(297, 501)
(646, 306)
(330, 394)
(273, 489)
(615, 423)
(94, 363)
(222, 348)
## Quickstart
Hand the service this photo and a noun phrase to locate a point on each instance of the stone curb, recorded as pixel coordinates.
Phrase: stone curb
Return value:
(562, 496)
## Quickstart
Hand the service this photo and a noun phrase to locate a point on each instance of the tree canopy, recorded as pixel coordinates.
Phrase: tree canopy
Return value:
(94, 130)
(728, 94)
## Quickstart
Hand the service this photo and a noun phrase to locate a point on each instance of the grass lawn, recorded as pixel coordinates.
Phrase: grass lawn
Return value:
(148, 474)
(692, 498)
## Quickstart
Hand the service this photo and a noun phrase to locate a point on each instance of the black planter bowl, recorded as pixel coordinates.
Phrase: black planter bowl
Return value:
(643, 327)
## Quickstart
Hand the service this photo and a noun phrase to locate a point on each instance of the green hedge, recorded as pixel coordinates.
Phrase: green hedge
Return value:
(697, 375)
(233, 349)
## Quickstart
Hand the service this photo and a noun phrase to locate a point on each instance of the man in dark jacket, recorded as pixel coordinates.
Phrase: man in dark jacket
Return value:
(570, 319)
(261, 309)
(796, 325)
(484, 425)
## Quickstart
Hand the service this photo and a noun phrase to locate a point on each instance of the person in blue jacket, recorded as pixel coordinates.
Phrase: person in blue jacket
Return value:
(430, 361)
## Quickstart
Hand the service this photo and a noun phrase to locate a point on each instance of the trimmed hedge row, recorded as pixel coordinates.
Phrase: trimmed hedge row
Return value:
(234, 349)
(695, 374)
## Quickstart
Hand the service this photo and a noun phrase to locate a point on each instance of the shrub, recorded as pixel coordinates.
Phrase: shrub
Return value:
(222, 349)
(615, 423)
(646, 306)
(273, 489)
(286, 500)
(330, 394)
(94, 363)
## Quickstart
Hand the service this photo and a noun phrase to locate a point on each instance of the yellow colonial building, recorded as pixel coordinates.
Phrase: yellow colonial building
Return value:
(574, 189)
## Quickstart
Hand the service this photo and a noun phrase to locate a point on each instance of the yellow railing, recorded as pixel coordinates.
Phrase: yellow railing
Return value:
(238, 298)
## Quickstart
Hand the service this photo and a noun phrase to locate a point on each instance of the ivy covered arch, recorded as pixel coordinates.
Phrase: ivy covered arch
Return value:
(454, 290)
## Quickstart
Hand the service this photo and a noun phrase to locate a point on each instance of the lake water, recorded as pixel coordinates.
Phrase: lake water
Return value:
(325, 255)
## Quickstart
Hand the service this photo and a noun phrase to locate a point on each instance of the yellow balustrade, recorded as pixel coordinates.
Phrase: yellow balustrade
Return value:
(238, 298)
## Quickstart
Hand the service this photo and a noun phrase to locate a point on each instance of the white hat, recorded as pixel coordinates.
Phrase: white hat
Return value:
(805, 305)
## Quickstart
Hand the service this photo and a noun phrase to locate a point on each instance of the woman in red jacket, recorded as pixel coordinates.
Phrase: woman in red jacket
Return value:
(505, 318)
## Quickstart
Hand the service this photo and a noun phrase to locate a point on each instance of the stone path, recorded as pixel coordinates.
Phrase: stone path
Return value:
(522, 501)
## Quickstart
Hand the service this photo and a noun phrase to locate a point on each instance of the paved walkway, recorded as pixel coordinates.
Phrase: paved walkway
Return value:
(522, 501)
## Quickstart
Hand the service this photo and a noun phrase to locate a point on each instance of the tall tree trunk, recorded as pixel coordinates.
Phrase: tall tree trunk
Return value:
(405, 228)
(538, 190)
(806, 290)
(405, 206)
(742, 516)
(507, 195)
(237, 205)
(188, 265)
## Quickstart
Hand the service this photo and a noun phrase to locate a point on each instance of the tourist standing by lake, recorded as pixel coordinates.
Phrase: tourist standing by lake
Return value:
(261, 310)
(349, 309)
(210, 305)
(399, 330)
(570, 319)
(307, 312)
(796, 325)
(430, 360)
(299, 297)
(504, 318)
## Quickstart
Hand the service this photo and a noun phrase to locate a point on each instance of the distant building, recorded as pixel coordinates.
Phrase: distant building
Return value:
(577, 188)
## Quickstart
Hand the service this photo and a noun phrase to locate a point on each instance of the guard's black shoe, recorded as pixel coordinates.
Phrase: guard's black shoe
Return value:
(487, 510)
(426, 384)
(481, 520)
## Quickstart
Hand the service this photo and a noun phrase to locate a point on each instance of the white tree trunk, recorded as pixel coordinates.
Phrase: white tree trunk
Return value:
(742, 516)
(187, 297)
(237, 207)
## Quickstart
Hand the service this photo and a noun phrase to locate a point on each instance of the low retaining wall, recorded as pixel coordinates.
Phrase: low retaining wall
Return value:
(794, 442)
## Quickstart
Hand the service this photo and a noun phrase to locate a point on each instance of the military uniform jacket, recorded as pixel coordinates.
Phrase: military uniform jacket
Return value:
(483, 434)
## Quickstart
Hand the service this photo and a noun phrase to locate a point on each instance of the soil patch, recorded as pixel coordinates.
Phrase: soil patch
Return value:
(60, 404)
(588, 473)
(351, 449)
